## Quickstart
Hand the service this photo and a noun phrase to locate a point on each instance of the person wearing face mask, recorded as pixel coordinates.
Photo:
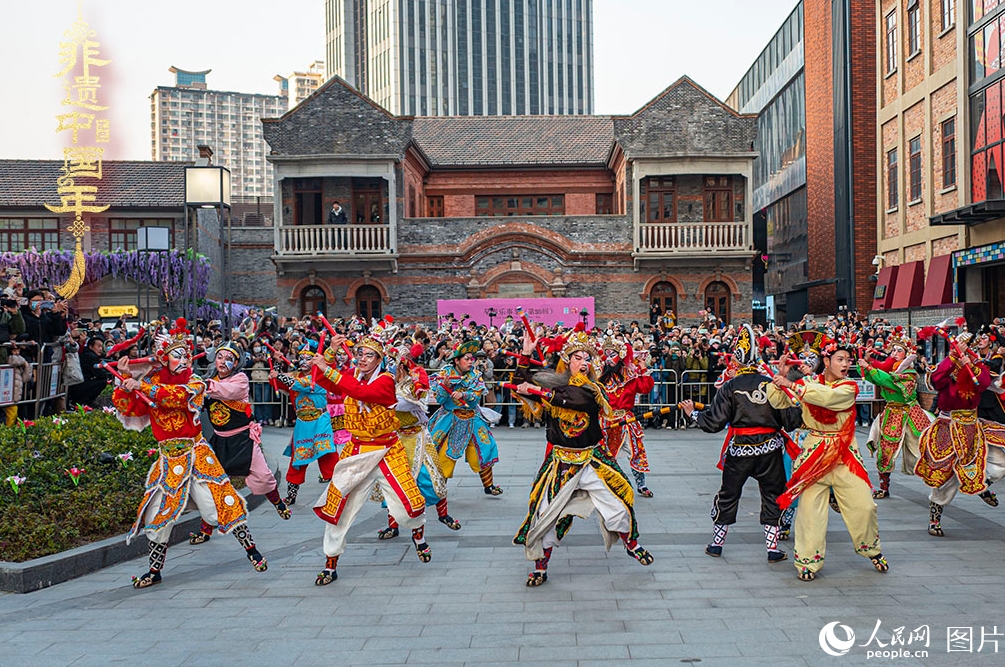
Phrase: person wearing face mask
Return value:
(578, 474)
(236, 439)
(312, 433)
(186, 468)
(44, 321)
(260, 389)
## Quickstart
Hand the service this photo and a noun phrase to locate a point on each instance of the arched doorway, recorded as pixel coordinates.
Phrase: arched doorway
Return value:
(312, 299)
(664, 294)
(717, 300)
(368, 302)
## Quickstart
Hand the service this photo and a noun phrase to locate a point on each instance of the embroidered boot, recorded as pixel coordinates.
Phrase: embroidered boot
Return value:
(444, 518)
(637, 552)
(205, 532)
(989, 496)
(281, 509)
(490, 488)
(640, 484)
(775, 555)
(540, 573)
(884, 486)
(327, 575)
(391, 531)
(785, 529)
(422, 549)
(158, 553)
(935, 519)
(244, 538)
(833, 502)
(291, 493)
(719, 531)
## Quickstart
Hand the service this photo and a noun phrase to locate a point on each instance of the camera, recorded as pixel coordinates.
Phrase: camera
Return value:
(7, 303)
(48, 305)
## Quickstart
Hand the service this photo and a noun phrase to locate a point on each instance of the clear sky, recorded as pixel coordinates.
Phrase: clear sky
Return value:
(640, 47)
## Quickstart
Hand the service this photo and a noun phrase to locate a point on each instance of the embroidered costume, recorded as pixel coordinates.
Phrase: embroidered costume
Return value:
(578, 474)
(186, 468)
(374, 454)
(458, 427)
(312, 433)
(754, 445)
(236, 439)
(411, 386)
(960, 451)
(830, 461)
(900, 424)
(623, 380)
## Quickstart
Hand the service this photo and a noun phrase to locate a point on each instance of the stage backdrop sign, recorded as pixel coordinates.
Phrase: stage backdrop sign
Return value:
(548, 311)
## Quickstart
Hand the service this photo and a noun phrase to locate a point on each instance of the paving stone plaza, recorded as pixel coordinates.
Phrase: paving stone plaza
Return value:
(469, 606)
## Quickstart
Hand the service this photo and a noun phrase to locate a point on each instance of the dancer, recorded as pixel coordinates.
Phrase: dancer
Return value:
(623, 380)
(458, 427)
(900, 424)
(960, 451)
(830, 460)
(992, 405)
(169, 401)
(412, 385)
(374, 453)
(578, 474)
(754, 444)
(312, 433)
(236, 439)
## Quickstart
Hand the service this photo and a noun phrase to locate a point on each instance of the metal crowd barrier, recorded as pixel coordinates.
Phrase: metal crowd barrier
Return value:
(44, 391)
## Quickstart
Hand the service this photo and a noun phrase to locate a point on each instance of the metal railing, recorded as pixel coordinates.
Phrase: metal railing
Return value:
(43, 391)
(335, 240)
(689, 237)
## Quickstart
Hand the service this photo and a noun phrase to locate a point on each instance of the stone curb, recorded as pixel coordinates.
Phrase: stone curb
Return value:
(39, 573)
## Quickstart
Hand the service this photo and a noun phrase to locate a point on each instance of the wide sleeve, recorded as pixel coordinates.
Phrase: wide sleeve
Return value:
(379, 392)
(176, 396)
(881, 378)
(234, 388)
(838, 397)
(942, 375)
(719, 413)
(779, 399)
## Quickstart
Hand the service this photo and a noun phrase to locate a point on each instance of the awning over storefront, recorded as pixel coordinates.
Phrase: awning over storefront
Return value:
(939, 284)
(910, 285)
(882, 297)
(973, 214)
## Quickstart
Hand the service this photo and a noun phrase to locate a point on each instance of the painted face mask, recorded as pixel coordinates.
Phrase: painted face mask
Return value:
(178, 360)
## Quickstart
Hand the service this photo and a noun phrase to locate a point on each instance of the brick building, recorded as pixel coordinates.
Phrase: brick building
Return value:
(940, 205)
(627, 209)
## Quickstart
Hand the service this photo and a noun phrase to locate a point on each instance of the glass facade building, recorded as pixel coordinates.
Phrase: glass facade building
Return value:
(774, 88)
(465, 57)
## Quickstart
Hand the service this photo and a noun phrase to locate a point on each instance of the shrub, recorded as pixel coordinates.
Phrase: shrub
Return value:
(48, 512)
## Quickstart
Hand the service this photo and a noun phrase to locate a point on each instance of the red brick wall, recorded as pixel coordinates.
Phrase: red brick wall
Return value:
(863, 55)
(819, 152)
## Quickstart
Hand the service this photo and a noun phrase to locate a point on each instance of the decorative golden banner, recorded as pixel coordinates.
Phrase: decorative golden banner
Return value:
(78, 55)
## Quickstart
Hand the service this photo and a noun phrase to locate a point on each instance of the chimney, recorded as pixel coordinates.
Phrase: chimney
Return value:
(205, 156)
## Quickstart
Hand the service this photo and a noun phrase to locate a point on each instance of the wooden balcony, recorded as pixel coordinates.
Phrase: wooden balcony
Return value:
(344, 245)
(692, 239)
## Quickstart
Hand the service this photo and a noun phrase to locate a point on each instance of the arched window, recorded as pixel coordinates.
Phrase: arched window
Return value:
(312, 299)
(717, 300)
(368, 302)
(664, 294)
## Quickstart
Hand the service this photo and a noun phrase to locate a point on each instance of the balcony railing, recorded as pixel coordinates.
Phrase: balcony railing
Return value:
(694, 237)
(315, 240)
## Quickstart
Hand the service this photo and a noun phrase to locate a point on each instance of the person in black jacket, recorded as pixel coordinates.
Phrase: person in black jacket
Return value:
(753, 446)
(95, 379)
(44, 321)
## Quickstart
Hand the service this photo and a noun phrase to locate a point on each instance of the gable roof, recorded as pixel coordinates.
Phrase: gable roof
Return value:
(685, 119)
(455, 141)
(124, 184)
(337, 119)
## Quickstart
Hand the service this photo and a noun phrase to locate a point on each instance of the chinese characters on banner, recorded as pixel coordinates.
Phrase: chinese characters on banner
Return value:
(82, 121)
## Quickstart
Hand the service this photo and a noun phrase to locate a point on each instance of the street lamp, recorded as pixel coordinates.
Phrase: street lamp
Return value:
(152, 239)
(207, 187)
(585, 314)
(491, 312)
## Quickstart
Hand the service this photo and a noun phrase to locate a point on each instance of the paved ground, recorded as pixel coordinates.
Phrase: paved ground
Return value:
(469, 606)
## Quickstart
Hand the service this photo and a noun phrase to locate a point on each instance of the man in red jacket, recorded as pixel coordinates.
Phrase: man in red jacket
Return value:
(623, 380)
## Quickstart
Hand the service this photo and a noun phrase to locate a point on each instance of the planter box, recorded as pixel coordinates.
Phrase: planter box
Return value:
(39, 573)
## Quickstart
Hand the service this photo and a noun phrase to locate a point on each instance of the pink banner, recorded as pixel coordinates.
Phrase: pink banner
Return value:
(547, 311)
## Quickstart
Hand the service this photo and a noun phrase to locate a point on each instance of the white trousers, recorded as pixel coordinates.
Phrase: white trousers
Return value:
(613, 513)
(198, 494)
(334, 540)
(995, 470)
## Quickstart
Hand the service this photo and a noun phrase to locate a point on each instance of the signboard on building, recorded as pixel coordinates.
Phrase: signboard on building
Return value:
(547, 311)
(118, 311)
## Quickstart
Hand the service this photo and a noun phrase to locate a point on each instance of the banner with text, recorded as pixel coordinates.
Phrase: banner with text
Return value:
(568, 311)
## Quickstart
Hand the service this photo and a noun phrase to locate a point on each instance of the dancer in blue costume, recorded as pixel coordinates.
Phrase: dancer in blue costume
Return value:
(458, 427)
(312, 433)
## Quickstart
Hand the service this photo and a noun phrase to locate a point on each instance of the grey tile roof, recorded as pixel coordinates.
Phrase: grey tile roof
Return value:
(685, 119)
(337, 120)
(514, 140)
(124, 184)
